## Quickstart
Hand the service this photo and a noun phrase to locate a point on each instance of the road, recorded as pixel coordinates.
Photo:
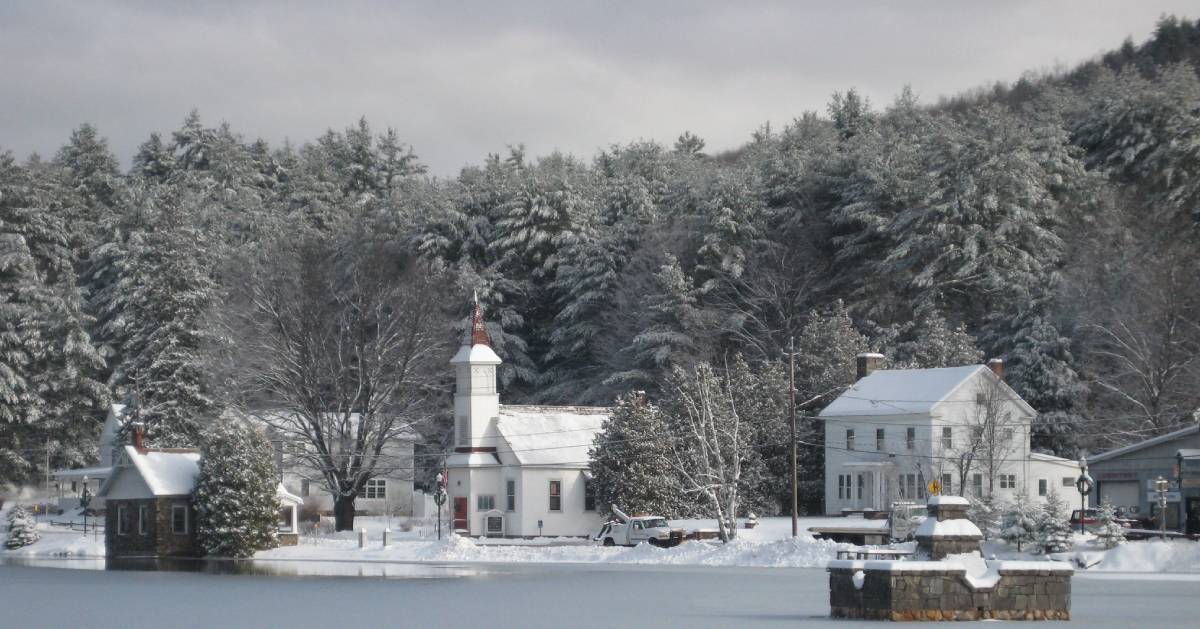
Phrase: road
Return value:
(527, 596)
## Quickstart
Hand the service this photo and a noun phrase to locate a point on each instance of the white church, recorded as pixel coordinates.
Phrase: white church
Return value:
(516, 471)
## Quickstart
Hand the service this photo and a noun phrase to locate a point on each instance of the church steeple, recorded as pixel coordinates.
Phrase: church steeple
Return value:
(477, 334)
(476, 402)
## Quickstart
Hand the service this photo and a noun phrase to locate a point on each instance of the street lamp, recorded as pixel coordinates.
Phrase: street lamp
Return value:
(1161, 485)
(439, 498)
(1084, 484)
(85, 499)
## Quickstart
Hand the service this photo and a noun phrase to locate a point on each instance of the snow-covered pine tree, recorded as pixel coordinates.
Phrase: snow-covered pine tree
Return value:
(1019, 523)
(630, 465)
(1110, 533)
(986, 515)
(235, 500)
(168, 289)
(1054, 529)
(22, 529)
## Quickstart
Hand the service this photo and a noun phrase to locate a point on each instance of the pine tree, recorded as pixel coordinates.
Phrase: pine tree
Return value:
(985, 514)
(235, 499)
(22, 529)
(169, 291)
(1054, 530)
(629, 461)
(1020, 521)
(1110, 533)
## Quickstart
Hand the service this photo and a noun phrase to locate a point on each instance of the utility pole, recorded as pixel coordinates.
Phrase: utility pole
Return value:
(792, 418)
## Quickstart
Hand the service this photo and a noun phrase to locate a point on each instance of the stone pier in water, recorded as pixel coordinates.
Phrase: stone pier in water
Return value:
(948, 578)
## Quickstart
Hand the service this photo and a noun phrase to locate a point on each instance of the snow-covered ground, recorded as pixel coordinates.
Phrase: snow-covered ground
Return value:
(768, 545)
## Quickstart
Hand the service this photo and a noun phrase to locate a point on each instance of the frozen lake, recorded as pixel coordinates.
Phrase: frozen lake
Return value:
(498, 595)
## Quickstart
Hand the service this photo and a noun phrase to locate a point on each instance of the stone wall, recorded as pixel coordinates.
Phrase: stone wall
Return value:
(947, 595)
(171, 544)
(132, 543)
(159, 540)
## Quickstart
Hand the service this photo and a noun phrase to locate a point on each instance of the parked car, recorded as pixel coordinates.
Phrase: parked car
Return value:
(1091, 520)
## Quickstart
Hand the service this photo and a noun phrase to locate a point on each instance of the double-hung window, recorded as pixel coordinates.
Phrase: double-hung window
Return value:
(947, 484)
(589, 495)
(849, 438)
(880, 436)
(510, 495)
(375, 488)
(143, 519)
(910, 438)
(179, 519)
(1008, 481)
(485, 502)
(556, 495)
(947, 437)
(1043, 487)
(122, 520)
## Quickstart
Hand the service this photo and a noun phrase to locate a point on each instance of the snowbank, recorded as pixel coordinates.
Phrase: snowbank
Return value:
(801, 552)
(1177, 556)
(60, 543)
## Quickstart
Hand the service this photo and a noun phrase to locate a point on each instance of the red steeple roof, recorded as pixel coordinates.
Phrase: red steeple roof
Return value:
(478, 334)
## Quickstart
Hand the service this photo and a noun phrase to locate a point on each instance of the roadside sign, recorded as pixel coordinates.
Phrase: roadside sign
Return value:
(935, 488)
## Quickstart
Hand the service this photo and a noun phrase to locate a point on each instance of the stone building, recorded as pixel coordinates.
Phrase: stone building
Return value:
(148, 507)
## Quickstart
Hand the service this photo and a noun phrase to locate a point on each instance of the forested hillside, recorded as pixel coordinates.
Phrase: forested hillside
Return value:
(1053, 223)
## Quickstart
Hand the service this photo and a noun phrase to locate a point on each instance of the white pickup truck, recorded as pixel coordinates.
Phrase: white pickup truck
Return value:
(631, 531)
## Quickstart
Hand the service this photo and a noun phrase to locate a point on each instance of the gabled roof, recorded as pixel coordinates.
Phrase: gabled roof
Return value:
(1153, 441)
(906, 391)
(165, 472)
(550, 436)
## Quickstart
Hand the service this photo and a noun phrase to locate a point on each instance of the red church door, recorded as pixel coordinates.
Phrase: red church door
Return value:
(460, 513)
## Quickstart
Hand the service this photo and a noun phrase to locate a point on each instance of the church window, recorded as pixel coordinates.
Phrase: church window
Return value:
(556, 495)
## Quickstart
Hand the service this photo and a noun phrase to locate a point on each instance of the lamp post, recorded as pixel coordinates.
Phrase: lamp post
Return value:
(1161, 485)
(1084, 485)
(439, 498)
(85, 499)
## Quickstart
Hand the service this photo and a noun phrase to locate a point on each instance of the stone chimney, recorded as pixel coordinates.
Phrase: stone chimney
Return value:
(139, 437)
(997, 367)
(868, 362)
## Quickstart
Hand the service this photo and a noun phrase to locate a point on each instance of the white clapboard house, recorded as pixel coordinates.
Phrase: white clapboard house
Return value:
(516, 471)
(895, 430)
(69, 484)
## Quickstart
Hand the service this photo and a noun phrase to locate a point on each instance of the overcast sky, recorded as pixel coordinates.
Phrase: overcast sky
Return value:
(459, 79)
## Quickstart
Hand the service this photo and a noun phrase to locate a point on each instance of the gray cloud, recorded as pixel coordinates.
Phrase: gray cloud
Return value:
(458, 80)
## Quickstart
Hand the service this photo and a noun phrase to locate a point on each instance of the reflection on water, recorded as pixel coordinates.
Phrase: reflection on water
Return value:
(263, 567)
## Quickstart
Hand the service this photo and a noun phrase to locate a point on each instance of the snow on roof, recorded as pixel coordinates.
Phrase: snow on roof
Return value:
(551, 436)
(1189, 453)
(903, 391)
(933, 527)
(166, 473)
(1153, 441)
(477, 354)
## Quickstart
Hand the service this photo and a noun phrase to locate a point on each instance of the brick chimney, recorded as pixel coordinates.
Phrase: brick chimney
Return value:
(997, 367)
(139, 437)
(868, 362)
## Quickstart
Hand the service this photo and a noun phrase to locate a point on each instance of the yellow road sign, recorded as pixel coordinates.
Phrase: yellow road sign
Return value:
(935, 488)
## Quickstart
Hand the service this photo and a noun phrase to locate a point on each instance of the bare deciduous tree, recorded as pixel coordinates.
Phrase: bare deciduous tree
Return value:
(343, 343)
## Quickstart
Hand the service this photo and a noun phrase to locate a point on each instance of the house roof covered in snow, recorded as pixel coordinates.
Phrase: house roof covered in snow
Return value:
(165, 472)
(906, 391)
(550, 436)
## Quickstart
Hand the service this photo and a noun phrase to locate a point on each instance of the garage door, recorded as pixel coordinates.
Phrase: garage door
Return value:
(1120, 494)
